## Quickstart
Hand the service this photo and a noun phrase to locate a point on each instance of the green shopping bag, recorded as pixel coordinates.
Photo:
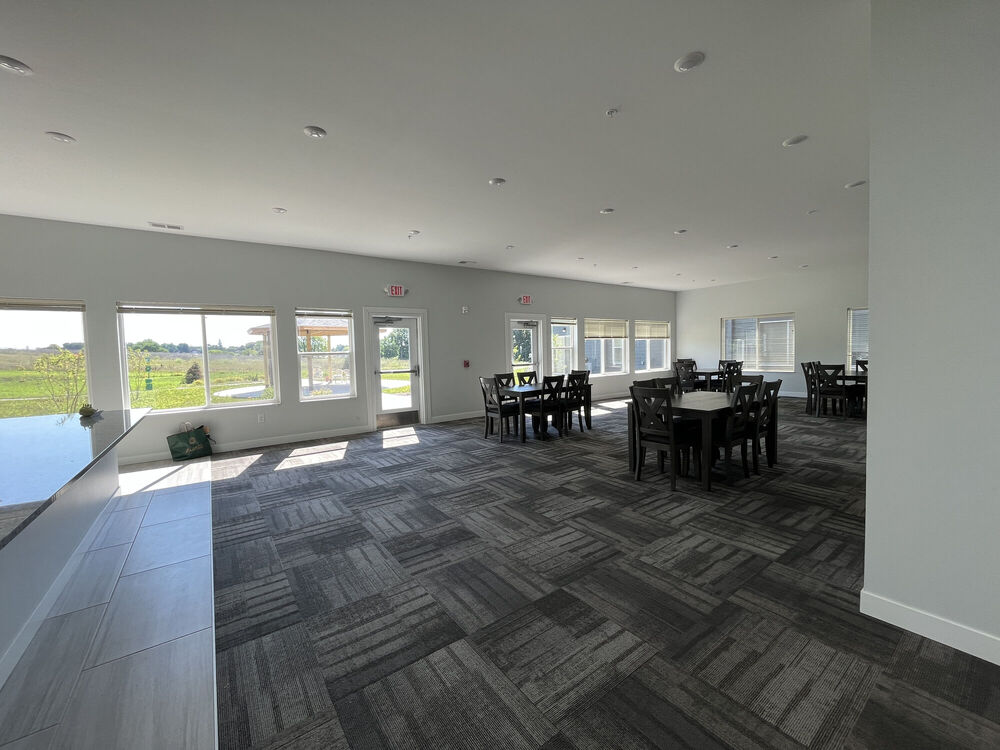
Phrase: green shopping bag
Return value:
(194, 442)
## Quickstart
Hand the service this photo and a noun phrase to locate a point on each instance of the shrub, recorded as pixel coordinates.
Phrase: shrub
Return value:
(193, 373)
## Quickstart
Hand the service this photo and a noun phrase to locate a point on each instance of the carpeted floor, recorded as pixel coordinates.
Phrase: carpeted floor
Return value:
(427, 588)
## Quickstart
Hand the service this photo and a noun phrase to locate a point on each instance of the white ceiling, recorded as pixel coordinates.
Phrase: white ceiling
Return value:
(191, 112)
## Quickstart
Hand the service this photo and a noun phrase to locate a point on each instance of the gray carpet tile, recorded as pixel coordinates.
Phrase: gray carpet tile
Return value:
(375, 636)
(481, 589)
(561, 653)
(452, 699)
(434, 589)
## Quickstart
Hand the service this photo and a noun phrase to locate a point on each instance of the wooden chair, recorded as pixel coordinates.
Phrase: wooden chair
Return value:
(548, 404)
(766, 423)
(757, 380)
(585, 373)
(685, 375)
(528, 377)
(736, 427)
(732, 371)
(495, 408)
(505, 380)
(672, 383)
(656, 428)
(809, 372)
(830, 386)
(574, 397)
(861, 364)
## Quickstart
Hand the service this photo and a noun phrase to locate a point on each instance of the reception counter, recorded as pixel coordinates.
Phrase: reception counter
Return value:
(57, 473)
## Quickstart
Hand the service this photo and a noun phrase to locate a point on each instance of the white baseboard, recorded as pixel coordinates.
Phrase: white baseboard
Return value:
(454, 417)
(941, 629)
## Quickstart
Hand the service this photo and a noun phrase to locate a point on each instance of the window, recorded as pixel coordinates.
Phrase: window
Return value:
(563, 345)
(652, 345)
(764, 344)
(326, 354)
(604, 346)
(180, 357)
(43, 364)
(857, 335)
(525, 355)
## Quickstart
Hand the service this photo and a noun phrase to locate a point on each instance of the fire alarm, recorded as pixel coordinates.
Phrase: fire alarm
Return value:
(465, 363)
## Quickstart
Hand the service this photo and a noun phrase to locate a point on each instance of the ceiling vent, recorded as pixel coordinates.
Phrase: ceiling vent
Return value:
(161, 225)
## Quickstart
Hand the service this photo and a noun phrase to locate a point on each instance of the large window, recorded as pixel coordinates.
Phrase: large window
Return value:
(43, 361)
(605, 347)
(326, 354)
(563, 345)
(652, 345)
(765, 343)
(857, 335)
(193, 356)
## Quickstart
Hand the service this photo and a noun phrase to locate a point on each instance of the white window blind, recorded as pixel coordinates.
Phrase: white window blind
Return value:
(652, 329)
(141, 307)
(857, 335)
(41, 304)
(764, 343)
(600, 328)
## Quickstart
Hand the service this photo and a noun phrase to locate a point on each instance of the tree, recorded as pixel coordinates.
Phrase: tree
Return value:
(521, 340)
(64, 375)
(193, 373)
(73, 346)
(147, 345)
(396, 345)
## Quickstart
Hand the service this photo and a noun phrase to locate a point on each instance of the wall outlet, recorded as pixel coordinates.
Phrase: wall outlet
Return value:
(260, 417)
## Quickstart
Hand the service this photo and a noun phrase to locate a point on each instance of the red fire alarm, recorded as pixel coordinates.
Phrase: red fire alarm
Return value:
(465, 363)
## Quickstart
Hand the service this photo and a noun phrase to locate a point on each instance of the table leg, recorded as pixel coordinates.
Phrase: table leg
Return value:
(520, 407)
(586, 407)
(706, 450)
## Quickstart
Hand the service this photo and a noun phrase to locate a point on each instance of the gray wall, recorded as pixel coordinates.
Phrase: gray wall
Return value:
(932, 558)
(819, 297)
(101, 265)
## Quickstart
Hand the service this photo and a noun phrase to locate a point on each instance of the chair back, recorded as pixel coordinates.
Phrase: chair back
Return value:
(829, 374)
(527, 378)
(757, 380)
(693, 363)
(732, 372)
(504, 379)
(491, 393)
(769, 403)
(575, 389)
(584, 373)
(651, 383)
(653, 411)
(552, 386)
(743, 404)
(862, 364)
(807, 373)
(685, 371)
(672, 384)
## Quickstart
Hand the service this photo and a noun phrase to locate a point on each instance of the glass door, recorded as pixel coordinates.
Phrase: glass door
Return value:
(397, 376)
(524, 351)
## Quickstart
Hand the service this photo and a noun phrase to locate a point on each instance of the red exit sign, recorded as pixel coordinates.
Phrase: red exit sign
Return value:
(525, 299)
(395, 290)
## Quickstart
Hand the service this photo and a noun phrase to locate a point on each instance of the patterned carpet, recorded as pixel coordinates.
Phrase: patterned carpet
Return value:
(426, 588)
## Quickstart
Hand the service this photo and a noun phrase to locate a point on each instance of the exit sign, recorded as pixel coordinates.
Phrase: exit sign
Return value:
(525, 299)
(395, 290)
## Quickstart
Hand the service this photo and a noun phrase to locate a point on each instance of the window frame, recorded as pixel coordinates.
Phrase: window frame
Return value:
(755, 366)
(573, 348)
(58, 305)
(647, 340)
(626, 363)
(320, 313)
(202, 311)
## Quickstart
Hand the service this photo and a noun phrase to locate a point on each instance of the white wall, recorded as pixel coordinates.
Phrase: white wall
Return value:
(932, 558)
(819, 297)
(100, 265)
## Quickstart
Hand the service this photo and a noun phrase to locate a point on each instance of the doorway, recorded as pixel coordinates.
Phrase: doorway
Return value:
(525, 343)
(396, 382)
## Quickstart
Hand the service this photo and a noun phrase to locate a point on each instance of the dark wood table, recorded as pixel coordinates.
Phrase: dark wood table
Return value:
(534, 390)
(702, 405)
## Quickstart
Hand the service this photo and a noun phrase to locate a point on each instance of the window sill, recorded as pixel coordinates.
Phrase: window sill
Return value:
(609, 374)
(211, 407)
(345, 397)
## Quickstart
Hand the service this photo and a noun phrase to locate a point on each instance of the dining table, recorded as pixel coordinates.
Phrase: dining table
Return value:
(533, 390)
(701, 405)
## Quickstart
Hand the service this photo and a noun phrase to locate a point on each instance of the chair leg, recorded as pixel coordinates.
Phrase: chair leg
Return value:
(743, 456)
(756, 454)
(675, 459)
(639, 460)
(579, 417)
(486, 427)
(726, 462)
(659, 460)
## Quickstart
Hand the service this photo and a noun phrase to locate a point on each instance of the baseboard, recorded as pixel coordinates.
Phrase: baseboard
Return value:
(791, 394)
(941, 629)
(454, 417)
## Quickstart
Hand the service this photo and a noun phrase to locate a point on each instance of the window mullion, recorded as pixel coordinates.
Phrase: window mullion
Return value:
(204, 361)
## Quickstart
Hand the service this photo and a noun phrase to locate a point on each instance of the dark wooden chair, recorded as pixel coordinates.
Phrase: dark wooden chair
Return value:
(731, 371)
(685, 375)
(585, 373)
(765, 425)
(573, 399)
(496, 409)
(505, 380)
(549, 404)
(829, 385)
(672, 383)
(757, 380)
(736, 428)
(809, 372)
(655, 427)
(528, 377)
(861, 364)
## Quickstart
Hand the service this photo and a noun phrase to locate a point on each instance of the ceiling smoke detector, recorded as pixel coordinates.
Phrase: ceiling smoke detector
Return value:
(607, 211)
(497, 181)
(690, 61)
(856, 184)
(314, 131)
(164, 225)
(795, 140)
(61, 137)
(280, 210)
(15, 66)
(412, 233)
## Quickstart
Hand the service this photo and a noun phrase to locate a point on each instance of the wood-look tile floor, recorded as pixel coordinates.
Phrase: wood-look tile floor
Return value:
(428, 588)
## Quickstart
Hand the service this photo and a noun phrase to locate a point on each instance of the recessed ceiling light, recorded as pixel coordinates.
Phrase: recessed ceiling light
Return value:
(678, 274)
(412, 233)
(804, 265)
(813, 211)
(689, 61)
(607, 210)
(510, 247)
(314, 131)
(497, 181)
(15, 66)
(626, 282)
(732, 247)
(581, 258)
(772, 257)
(467, 262)
(680, 231)
(280, 210)
(61, 137)
(611, 111)
(711, 279)
(635, 268)
(859, 183)
(795, 140)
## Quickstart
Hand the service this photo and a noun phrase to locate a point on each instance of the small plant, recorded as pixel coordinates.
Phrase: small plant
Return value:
(87, 410)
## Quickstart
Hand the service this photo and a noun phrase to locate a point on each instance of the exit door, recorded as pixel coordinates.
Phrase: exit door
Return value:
(397, 376)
